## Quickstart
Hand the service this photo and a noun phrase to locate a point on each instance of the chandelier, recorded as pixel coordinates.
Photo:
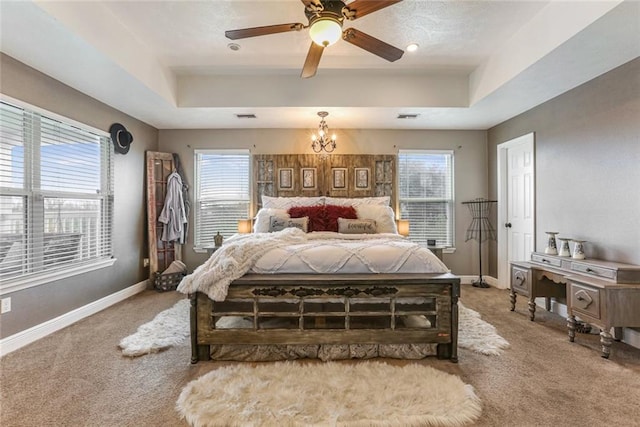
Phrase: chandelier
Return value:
(321, 141)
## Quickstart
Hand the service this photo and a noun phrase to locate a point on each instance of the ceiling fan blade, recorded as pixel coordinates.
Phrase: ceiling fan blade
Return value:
(262, 31)
(372, 44)
(360, 8)
(313, 60)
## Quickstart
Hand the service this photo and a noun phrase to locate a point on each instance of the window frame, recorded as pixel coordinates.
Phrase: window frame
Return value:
(198, 245)
(451, 202)
(34, 196)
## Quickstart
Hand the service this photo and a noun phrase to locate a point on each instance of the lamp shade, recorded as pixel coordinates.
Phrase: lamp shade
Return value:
(403, 227)
(325, 31)
(244, 226)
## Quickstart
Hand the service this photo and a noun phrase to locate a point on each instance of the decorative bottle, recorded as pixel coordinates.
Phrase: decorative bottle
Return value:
(217, 239)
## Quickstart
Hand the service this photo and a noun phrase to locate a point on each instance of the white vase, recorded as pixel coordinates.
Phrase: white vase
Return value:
(564, 247)
(578, 249)
(551, 248)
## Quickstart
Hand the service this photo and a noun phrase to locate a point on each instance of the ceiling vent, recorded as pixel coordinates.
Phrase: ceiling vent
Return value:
(408, 116)
(246, 116)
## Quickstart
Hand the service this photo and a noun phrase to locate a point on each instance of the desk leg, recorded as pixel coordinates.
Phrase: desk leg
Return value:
(512, 299)
(571, 327)
(606, 339)
(532, 309)
(617, 333)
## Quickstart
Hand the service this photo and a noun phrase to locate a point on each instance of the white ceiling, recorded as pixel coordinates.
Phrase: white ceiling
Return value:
(168, 64)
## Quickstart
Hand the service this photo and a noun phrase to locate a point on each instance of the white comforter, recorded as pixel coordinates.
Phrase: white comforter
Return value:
(293, 251)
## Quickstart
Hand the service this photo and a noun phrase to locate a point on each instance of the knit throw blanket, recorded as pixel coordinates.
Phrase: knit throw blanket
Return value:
(240, 253)
(232, 260)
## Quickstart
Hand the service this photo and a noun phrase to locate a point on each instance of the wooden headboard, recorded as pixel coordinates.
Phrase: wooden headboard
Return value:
(345, 175)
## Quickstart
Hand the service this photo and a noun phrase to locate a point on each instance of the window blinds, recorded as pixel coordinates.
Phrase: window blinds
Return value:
(56, 193)
(426, 194)
(222, 193)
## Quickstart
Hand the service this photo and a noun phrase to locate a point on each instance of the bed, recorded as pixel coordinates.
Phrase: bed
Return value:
(292, 289)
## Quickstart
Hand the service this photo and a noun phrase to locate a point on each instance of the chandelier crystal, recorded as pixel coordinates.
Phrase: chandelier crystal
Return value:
(321, 141)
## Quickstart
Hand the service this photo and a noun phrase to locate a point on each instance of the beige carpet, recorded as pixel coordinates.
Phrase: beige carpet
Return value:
(328, 394)
(78, 377)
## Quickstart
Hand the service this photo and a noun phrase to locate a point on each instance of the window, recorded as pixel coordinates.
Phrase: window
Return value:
(56, 194)
(222, 193)
(426, 195)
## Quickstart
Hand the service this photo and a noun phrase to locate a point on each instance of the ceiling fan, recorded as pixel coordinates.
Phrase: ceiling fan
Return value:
(325, 28)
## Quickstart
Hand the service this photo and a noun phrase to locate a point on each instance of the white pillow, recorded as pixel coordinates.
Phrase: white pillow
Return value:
(287, 202)
(357, 201)
(382, 215)
(263, 219)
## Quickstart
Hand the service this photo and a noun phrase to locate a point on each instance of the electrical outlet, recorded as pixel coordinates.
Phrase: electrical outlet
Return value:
(6, 305)
(145, 262)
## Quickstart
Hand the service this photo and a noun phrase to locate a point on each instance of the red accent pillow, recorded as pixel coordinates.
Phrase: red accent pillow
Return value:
(334, 212)
(316, 216)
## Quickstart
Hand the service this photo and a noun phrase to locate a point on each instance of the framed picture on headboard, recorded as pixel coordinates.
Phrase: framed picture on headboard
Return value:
(285, 179)
(361, 178)
(309, 178)
(339, 178)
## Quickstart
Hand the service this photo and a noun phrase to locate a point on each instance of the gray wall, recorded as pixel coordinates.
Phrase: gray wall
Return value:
(36, 305)
(587, 144)
(470, 164)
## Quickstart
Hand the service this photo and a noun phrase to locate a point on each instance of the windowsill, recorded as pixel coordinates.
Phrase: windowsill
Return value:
(205, 249)
(18, 284)
(449, 251)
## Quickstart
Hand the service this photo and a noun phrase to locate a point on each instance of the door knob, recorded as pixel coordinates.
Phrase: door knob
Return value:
(508, 225)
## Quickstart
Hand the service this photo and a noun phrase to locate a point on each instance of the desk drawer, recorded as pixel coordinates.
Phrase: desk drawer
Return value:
(521, 280)
(555, 262)
(605, 273)
(585, 300)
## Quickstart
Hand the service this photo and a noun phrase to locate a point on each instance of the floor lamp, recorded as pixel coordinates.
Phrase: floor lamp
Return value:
(480, 229)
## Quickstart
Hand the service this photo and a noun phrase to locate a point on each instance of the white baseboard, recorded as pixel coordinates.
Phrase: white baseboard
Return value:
(631, 337)
(19, 340)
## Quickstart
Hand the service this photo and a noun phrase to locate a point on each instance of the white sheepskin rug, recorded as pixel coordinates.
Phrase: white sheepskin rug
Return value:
(169, 328)
(477, 335)
(328, 394)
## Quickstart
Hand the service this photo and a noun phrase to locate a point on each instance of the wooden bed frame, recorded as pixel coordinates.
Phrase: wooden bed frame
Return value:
(323, 308)
(332, 309)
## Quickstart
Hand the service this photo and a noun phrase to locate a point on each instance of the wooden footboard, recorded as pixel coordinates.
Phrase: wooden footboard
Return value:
(331, 309)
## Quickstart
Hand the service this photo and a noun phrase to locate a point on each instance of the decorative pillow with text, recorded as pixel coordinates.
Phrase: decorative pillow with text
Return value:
(356, 226)
(279, 223)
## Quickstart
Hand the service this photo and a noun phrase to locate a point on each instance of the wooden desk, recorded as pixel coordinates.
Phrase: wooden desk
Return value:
(602, 293)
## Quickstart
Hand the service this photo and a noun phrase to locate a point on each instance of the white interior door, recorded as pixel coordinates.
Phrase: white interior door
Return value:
(516, 203)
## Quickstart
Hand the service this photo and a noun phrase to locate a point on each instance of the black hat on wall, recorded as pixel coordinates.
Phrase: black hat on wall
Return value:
(121, 138)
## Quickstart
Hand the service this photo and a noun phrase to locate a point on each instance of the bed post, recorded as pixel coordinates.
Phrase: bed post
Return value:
(455, 294)
(450, 350)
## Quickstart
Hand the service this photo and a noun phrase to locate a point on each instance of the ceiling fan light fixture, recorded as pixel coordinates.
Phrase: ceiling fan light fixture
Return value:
(412, 47)
(325, 31)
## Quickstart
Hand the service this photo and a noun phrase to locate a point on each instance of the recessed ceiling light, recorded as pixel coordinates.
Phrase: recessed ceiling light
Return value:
(233, 46)
(412, 47)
